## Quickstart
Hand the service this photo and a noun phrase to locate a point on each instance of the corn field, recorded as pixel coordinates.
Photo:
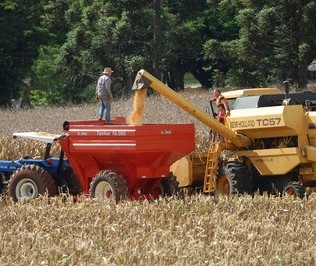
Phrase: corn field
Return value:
(194, 229)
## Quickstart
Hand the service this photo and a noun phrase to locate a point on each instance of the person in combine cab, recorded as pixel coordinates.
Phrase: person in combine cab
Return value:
(104, 94)
(222, 105)
(221, 113)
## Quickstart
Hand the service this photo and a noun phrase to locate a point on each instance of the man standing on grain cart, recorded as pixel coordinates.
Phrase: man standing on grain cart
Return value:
(222, 105)
(104, 94)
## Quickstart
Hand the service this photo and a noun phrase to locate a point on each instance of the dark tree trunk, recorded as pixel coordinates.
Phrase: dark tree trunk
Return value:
(157, 40)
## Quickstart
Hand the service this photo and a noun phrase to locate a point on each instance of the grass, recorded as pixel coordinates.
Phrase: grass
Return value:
(190, 80)
(194, 230)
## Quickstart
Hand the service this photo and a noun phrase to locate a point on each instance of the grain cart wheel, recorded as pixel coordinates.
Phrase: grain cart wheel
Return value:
(30, 181)
(73, 183)
(295, 189)
(108, 186)
(170, 185)
(157, 192)
(233, 178)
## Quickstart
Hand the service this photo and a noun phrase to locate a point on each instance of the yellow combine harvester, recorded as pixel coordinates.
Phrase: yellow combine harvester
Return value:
(269, 142)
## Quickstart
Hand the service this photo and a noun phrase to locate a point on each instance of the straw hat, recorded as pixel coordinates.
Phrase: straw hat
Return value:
(108, 70)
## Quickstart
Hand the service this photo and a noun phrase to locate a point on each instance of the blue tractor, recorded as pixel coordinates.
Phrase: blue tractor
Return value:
(29, 178)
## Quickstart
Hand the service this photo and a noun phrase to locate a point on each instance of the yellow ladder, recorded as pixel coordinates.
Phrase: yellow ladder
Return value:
(214, 152)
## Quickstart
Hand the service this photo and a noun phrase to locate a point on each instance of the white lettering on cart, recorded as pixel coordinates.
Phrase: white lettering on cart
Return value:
(103, 133)
(166, 132)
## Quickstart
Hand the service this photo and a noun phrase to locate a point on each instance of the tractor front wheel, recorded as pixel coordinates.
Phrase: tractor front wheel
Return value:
(30, 181)
(233, 178)
(108, 186)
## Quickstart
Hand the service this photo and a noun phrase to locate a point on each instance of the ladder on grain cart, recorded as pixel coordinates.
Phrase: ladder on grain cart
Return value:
(214, 152)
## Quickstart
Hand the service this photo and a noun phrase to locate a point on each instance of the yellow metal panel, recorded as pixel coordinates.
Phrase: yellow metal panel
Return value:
(182, 169)
(308, 173)
(274, 161)
(290, 118)
(190, 170)
(250, 92)
(311, 119)
(199, 161)
(311, 153)
(311, 124)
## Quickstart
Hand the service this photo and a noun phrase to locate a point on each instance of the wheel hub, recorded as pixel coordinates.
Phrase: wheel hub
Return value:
(104, 192)
(223, 185)
(26, 188)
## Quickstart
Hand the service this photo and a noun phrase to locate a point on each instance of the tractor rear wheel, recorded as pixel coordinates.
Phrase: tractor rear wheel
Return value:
(233, 178)
(295, 189)
(30, 181)
(107, 186)
(170, 185)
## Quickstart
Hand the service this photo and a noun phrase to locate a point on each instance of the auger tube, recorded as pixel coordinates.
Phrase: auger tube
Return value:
(145, 80)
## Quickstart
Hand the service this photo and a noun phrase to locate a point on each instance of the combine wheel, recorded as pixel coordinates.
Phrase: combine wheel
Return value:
(295, 189)
(108, 186)
(30, 181)
(73, 183)
(264, 184)
(170, 185)
(233, 178)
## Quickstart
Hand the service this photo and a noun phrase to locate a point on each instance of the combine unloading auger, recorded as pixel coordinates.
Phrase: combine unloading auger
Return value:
(145, 80)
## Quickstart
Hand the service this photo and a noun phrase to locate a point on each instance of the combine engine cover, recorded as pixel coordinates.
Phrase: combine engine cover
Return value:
(266, 122)
(279, 135)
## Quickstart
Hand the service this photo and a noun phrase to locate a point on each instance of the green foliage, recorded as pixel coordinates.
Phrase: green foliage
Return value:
(273, 40)
(50, 87)
(20, 36)
(64, 45)
(61, 94)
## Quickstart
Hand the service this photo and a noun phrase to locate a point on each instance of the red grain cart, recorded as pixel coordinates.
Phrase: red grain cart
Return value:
(119, 161)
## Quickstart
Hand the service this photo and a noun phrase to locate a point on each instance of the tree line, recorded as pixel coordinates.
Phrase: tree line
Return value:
(52, 51)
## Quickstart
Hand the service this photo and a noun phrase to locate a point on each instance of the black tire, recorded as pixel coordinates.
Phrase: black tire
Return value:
(73, 184)
(2, 184)
(233, 179)
(30, 181)
(159, 191)
(170, 185)
(264, 184)
(295, 189)
(108, 186)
